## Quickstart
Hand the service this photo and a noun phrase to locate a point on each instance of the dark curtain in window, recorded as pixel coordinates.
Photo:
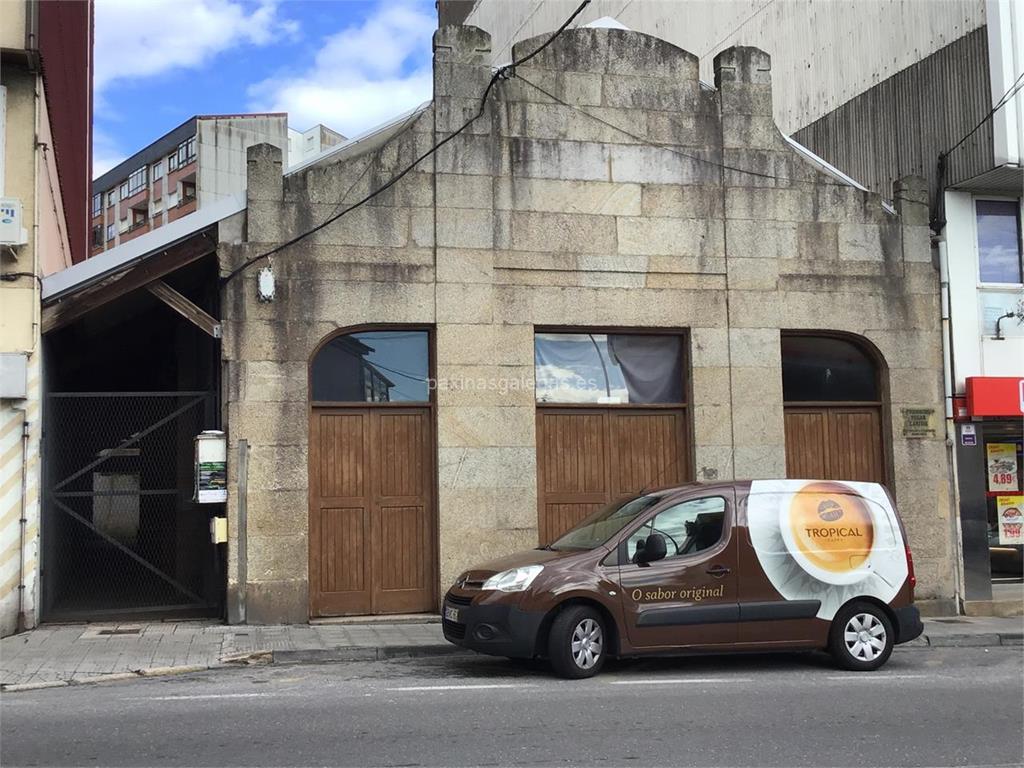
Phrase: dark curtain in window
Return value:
(825, 369)
(652, 366)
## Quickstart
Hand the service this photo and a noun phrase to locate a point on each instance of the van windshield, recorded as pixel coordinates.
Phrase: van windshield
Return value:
(606, 522)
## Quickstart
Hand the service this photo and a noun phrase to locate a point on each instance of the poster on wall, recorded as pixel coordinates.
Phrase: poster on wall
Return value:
(1010, 517)
(1002, 467)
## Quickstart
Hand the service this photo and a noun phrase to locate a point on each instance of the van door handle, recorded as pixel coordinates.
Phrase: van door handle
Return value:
(718, 571)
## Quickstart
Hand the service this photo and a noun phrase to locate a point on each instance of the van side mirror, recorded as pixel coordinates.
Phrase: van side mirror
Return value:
(653, 549)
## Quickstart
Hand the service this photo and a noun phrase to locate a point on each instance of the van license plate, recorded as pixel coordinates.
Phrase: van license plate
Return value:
(452, 614)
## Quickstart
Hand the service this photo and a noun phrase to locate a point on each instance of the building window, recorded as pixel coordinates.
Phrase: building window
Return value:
(373, 367)
(137, 181)
(138, 217)
(818, 369)
(188, 191)
(110, 231)
(97, 205)
(608, 368)
(97, 237)
(111, 198)
(185, 154)
(999, 245)
(123, 190)
(157, 171)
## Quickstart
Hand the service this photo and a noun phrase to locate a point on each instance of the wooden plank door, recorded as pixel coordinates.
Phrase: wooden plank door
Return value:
(586, 457)
(372, 514)
(834, 443)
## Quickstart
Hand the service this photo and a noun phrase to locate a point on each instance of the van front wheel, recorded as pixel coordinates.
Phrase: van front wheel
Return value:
(577, 643)
(861, 637)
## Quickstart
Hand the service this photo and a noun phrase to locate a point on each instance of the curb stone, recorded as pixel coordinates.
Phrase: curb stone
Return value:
(135, 674)
(357, 653)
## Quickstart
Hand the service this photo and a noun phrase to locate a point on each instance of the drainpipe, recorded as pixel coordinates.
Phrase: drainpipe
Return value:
(22, 624)
(948, 389)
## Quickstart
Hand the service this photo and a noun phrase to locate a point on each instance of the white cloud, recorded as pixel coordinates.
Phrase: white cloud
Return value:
(105, 152)
(362, 75)
(140, 39)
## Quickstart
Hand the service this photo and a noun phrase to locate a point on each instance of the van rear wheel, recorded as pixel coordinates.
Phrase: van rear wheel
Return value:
(862, 637)
(577, 643)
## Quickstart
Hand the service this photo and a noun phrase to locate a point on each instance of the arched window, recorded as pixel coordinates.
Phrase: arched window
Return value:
(827, 369)
(832, 394)
(372, 367)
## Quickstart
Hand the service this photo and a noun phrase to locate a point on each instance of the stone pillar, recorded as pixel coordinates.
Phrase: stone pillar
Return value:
(755, 245)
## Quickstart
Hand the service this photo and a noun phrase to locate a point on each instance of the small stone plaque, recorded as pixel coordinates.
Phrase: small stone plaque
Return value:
(918, 422)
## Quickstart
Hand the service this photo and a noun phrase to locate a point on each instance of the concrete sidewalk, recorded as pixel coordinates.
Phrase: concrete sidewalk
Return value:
(56, 655)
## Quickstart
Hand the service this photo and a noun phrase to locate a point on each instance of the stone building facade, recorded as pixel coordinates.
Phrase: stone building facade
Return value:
(603, 188)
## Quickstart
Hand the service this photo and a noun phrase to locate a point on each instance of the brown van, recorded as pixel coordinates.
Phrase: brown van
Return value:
(754, 566)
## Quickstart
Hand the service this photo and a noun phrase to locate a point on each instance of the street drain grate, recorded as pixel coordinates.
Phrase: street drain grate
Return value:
(119, 632)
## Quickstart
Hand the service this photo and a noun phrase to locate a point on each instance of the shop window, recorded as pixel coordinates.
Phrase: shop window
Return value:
(821, 369)
(372, 367)
(999, 243)
(609, 368)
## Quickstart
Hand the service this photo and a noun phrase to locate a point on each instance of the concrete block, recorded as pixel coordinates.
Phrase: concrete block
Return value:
(464, 265)
(487, 467)
(756, 347)
(278, 468)
(860, 242)
(657, 165)
(754, 274)
(711, 386)
(560, 196)
(464, 303)
(635, 91)
(713, 462)
(760, 461)
(533, 231)
(485, 344)
(712, 424)
(677, 237)
(277, 558)
(752, 239)
(680, 202)
(464, 228)
(480, 426)
(551, 159)
(709, 347)
(485, 385)
(462, 191)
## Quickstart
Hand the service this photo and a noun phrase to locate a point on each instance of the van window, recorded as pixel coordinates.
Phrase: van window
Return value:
(605, 523)
(688, 528)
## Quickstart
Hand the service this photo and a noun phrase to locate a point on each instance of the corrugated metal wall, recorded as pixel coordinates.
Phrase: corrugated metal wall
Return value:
(901, 125)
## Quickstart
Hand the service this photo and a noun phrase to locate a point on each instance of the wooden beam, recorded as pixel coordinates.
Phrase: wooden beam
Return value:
(184, 307)
(61, 312)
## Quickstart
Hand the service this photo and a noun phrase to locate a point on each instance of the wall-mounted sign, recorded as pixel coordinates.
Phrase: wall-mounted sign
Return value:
(918, 422)
(1010, 518)
(211, 468)
(968, 435)
(1002, 467)
(995, 396)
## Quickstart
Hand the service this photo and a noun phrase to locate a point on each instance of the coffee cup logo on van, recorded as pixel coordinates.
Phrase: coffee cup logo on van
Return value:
(829, 531)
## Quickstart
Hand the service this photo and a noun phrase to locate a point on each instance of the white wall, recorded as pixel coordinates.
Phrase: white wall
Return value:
(221, 148)
(1006, 62)
(975, 352)
(823, 52)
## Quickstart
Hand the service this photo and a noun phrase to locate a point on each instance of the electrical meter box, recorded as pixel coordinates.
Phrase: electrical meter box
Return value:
(12, 231)
(211, 467)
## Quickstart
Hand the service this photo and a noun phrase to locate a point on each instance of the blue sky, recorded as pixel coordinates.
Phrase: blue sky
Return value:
(349, 64)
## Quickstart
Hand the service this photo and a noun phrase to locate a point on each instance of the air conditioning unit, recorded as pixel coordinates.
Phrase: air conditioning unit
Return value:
(11, 230)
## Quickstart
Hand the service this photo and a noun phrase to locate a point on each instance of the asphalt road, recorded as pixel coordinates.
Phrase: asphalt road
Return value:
(934, 707)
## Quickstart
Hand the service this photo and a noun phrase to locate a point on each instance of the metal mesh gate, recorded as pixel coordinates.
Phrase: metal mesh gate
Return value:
(121, 533)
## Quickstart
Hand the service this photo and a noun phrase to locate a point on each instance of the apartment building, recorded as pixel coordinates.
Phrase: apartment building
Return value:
(880, 91)
(45, 125)
(199, 162)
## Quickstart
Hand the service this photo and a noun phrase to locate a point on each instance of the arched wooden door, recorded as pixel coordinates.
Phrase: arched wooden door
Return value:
(833, 398)
(372, 524)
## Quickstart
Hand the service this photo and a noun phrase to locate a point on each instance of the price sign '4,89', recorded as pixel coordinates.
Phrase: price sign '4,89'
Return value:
(1002, 467)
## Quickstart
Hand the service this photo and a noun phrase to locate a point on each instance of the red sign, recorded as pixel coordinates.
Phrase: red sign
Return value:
(995, 396)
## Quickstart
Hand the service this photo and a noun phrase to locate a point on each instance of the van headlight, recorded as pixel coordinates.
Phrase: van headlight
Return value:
(513, 580)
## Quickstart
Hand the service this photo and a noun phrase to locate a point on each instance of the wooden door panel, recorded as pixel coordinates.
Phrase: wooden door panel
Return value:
(806, 443)
(343, 538)
(372, 526)
(588, 457)
(647, 449)
(403, 546)
(855, 441)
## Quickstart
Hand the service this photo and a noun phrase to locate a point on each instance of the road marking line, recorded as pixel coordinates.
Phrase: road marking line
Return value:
(459, 687)
(190, 697)
(876, 677)
(676, 681)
